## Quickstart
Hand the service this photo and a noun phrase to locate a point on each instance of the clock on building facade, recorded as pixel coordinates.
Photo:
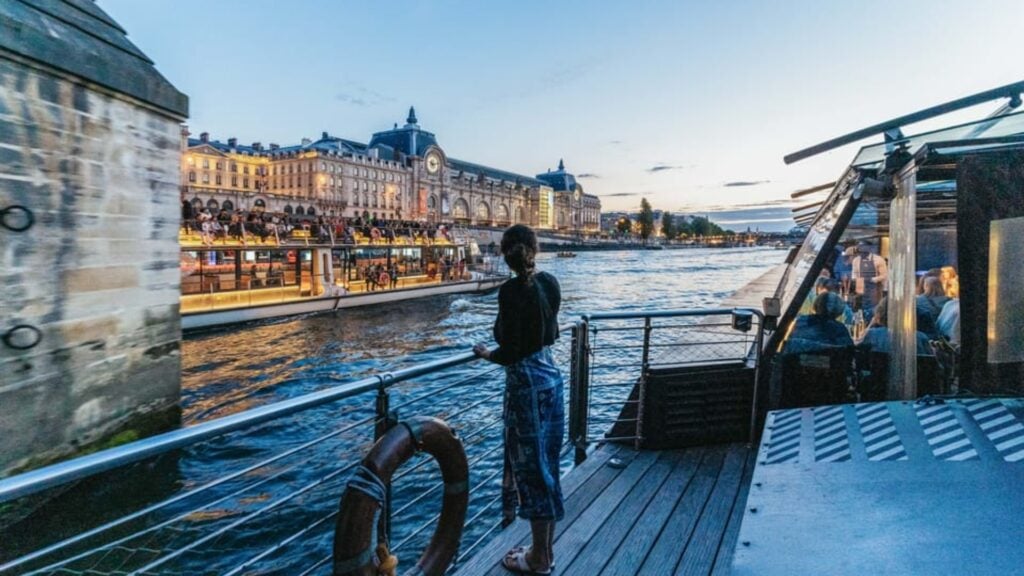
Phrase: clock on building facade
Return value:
(433, 163)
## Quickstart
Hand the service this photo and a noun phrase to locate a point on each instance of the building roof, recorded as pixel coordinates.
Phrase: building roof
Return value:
(463, 166)
(77, 37)
(559, 180)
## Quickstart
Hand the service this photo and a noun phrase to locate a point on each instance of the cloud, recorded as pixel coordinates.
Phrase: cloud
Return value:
(620, 194)
(359, 96)
(587, 175)
(739, 183)
(664, 167)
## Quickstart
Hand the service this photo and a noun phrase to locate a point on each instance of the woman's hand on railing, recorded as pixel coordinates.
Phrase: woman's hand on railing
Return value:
(482, 351)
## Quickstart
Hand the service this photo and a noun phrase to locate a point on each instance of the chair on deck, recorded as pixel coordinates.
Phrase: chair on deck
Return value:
(814, 378)
(873, 368)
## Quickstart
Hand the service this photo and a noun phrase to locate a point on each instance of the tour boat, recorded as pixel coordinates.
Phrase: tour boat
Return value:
(228, 281)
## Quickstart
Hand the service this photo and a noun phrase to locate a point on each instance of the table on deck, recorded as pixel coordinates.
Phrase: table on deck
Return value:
(663, 512)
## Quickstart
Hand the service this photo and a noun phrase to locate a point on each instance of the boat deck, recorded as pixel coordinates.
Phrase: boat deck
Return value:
(659, 513)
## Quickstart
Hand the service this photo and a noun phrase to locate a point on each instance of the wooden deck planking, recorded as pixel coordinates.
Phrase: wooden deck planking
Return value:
(638, 543)
(669, 546)
(664, 513)
(594, 553)
(591, 475)
(699, 556)
(723, 562)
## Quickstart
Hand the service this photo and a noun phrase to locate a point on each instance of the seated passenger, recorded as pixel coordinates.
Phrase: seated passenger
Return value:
(948, 323)
(819, 331)
(930, 304)
(876, 338)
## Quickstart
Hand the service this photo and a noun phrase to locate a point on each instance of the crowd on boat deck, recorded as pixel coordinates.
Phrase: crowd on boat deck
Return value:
(847, 314)
(240, 225)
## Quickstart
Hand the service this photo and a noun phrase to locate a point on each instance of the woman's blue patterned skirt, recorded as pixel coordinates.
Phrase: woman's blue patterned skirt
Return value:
(534, 425)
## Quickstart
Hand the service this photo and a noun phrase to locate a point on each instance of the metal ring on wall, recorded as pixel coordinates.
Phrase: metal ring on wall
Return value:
(29, 218)
(9, 337)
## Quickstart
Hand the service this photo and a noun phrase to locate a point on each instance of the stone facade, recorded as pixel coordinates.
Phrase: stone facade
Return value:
(90, 294)
(402, 173)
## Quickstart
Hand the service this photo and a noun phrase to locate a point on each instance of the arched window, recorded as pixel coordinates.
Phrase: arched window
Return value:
(259, 203)
(502, 212)
(227, 205)
(212, 204)
(483, 211)
(197, 203)
(310, 211)
(288, 209)
(432, 202)
(299, 211)
(461, 209)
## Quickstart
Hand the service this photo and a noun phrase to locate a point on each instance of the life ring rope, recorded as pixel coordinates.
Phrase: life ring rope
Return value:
(357, 548)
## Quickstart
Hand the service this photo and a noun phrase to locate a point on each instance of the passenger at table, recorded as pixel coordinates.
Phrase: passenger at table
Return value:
(819, 331)
(878, 339)
(948, 323)
(929, 306)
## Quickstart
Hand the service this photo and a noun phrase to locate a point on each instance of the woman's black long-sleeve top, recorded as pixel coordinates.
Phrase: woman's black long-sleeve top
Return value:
(527, 317)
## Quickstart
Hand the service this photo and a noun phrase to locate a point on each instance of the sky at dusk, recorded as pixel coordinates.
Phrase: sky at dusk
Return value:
(690, 104)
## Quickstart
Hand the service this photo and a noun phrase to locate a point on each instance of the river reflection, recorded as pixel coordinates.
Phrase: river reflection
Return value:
(232, 370)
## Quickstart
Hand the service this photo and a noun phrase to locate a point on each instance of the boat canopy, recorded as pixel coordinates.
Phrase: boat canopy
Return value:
(908, 197)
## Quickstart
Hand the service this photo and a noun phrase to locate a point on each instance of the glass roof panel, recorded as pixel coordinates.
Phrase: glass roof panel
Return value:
(987, 128)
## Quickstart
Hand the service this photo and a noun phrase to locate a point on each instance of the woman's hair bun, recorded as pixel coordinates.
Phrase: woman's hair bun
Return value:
(519, 245)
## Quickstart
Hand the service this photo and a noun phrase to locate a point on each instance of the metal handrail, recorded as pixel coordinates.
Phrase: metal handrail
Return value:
(54, 475)
(583, 351)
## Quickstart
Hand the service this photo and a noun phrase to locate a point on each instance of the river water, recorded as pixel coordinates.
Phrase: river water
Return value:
(293, 499)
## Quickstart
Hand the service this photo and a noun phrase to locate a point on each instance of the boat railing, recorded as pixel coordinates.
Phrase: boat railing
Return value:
(612, 354)
(209, 292)
(218, 497)
(229, 496)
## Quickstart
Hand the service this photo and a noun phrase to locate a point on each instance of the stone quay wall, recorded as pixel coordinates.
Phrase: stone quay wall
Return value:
(97, 273)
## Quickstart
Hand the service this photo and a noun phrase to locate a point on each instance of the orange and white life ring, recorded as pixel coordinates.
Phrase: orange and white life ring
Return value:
(383, 279)
(375, 234)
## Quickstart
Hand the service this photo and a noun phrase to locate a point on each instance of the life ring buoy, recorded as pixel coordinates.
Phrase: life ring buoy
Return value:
(375, 234)
(383, 279)
(355, 532)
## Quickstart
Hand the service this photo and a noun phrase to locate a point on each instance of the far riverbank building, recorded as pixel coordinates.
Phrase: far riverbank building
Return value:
(401, 173)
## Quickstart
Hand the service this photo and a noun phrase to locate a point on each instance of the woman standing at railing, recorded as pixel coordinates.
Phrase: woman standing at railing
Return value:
(526, 326)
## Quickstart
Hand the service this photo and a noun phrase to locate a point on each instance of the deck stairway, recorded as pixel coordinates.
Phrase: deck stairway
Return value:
(642, 512)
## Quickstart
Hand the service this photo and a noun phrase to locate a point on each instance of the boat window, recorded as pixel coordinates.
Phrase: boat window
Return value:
(817, 247)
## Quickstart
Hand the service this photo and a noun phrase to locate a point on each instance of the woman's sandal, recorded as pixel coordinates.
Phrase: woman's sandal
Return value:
(515, 561)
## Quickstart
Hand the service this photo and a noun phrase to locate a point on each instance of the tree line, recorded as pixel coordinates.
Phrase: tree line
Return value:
(671, 226)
